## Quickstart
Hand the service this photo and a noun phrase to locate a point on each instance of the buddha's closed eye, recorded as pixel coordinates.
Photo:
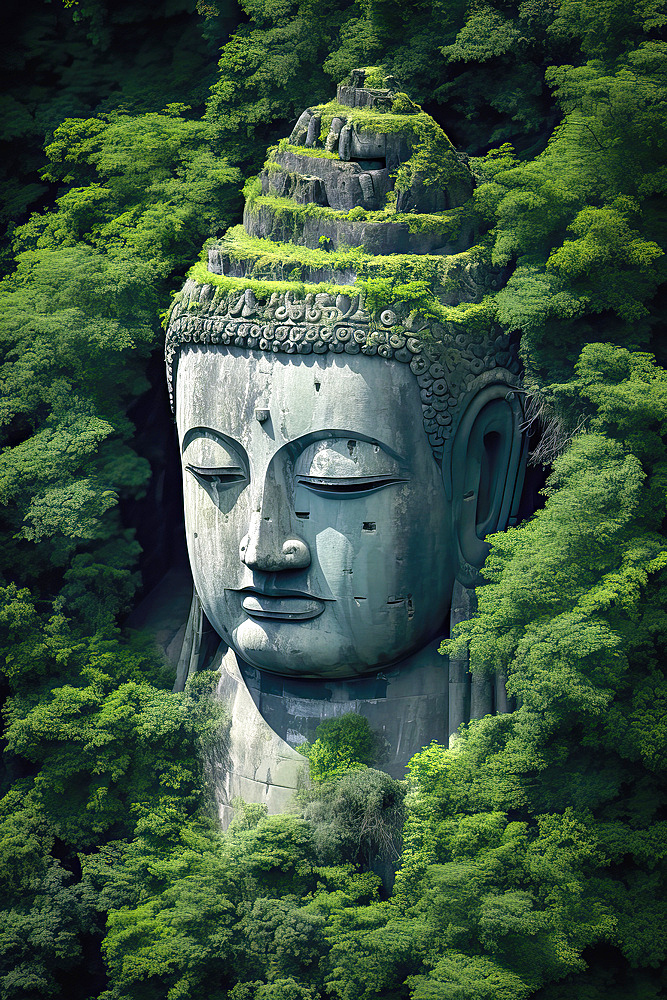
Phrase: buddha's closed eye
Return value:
(219, 478)
(347, 468)
(215, 463)
(350, 488)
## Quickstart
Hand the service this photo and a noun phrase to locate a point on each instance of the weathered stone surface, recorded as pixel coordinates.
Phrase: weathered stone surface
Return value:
(363, 97)
(424, 197)
(345, 142)
(334, 134)
(221, 262)
(392, 147)
(303, 189)
(368, 145)
(300, 131)
(375, 237)
(254, 763)
(314, 128)
(340, 180)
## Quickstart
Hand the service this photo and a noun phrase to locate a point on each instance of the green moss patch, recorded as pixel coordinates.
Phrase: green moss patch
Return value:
(419, 280)
(447, 223)
(377, 293)
(239, 245)
(372, 119)
(262, 289)
(316, 152)
(436, 269)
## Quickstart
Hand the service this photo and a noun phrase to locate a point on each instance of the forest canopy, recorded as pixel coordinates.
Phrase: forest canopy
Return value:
(531, 855)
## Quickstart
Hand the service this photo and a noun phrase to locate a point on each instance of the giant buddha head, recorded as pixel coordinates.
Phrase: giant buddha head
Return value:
(348, 435)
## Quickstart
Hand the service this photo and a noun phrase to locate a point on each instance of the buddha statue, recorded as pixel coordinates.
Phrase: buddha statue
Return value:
(343, 458)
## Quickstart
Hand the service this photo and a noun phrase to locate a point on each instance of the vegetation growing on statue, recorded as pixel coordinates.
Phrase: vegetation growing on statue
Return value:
(533, 860)
(343, 744)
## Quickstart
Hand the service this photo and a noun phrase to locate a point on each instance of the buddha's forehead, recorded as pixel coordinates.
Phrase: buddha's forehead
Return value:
(226, 389)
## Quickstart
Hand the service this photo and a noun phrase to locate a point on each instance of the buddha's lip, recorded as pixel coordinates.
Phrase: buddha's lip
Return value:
(283, 607)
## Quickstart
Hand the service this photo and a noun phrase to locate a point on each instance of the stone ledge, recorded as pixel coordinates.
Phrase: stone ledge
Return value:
(290, 225)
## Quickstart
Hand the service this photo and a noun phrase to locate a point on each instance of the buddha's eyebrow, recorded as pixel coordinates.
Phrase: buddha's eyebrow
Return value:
(328, 434)
(209, 432)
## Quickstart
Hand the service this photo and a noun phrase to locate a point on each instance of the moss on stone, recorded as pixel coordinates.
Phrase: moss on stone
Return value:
(241, 246)
(430, 277)
(317, 152)
(372, 119)
(434, 161)
(376, 292)
(252, 189)
(447, 223)
(273, 167)
(262, 290)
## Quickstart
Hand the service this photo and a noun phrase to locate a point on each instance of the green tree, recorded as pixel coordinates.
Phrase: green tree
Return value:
(358, 818)
(343, 744)
(60, 60)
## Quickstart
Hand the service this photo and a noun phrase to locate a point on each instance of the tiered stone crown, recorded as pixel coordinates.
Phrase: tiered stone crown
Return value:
(332, 187)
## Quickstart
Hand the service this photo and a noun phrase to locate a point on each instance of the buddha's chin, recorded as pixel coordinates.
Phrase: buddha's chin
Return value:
(297, 648)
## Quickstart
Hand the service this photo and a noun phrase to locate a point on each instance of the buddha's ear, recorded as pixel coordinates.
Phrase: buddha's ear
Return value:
(487, 468)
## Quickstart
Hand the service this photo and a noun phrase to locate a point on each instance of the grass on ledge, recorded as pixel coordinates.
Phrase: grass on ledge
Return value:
(371, 120)
(437, 270)
(447, 223)
(378, 290)
(264, 289)
(313, 151)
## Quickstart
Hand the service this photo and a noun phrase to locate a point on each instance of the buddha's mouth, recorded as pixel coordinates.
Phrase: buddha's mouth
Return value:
(284, 607)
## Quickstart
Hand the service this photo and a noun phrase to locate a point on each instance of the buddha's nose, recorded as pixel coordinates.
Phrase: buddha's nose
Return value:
(266, 549)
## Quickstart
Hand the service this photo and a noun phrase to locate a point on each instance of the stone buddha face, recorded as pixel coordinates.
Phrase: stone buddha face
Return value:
(319, 530)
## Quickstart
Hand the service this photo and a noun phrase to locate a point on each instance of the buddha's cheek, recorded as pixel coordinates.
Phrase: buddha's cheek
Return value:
(213, 537)
(390, 580)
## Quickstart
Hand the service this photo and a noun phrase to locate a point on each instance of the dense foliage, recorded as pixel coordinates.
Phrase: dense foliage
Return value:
(343, 744)
(533, 858)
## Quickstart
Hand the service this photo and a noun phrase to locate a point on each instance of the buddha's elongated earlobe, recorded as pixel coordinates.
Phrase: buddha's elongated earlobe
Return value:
(487, 468)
